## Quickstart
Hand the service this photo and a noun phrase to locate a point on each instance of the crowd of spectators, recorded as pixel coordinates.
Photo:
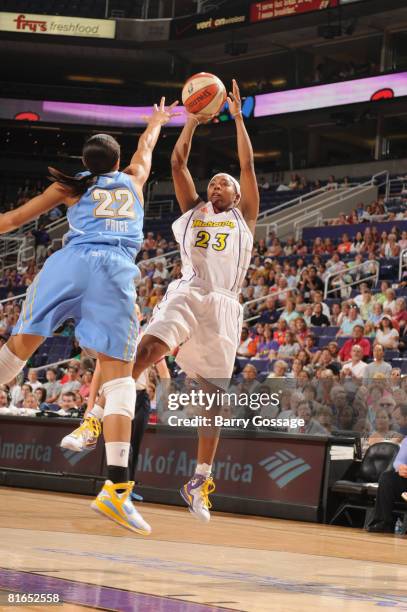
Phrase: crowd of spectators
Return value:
(350, 339)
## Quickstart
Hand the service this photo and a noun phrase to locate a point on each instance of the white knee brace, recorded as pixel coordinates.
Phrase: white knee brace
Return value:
(10, 365)
(120, 395)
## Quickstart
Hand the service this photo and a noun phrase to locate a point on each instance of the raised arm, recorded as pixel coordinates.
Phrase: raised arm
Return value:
(183, 183)
(249, 201)
(54, 195)
(140, 164)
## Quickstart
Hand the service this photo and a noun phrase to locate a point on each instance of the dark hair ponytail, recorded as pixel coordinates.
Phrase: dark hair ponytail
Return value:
(100, 154)
(78, 185)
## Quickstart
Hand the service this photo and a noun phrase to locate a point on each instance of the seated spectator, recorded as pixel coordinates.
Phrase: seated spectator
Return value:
(41, 396)
(280, 333)
(357, 243)
(336, 312)
(289, 347)
(296, 369)
(149, 243)
(84, 389)
(382, 429)
(376, 314)
(366, 307)
(280, 369)
(400, 419)
(30, 402)
(378, 366)
(301, 331)
(345, 245)
(357, 338)
(317, 298)
(67, 401)
(345, 418)
(369, 330)
(350, 321)
(392, 484)
(249, 383)
(247, 347)
(32, 379)
(73, 383)
(323, 416)
(318, 318)
(390, 300)
(289, 313)
(387, 335)
(4, 399)
(26, 389)
(52, 386)
(354, 368)
(310, 281)
(400, 313)
(311, 425)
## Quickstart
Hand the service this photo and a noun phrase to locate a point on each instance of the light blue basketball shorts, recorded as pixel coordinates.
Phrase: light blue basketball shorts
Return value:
(92, 284)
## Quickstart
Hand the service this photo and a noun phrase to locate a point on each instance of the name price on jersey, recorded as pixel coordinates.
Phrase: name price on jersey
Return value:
(21, 599)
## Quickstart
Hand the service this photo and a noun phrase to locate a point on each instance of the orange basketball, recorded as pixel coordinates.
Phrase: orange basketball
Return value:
(204, 94)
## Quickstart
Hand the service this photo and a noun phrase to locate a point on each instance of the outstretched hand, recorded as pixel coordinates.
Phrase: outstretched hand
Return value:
(162, 115)
(233, 99)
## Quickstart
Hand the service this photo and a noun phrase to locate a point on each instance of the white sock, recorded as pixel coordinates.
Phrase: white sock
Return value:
(97, 412)
(117, 453)
(203, 469)
(10, 365)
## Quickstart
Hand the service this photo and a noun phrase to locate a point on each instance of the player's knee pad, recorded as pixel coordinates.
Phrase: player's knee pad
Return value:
(10, 365)
(120, 395)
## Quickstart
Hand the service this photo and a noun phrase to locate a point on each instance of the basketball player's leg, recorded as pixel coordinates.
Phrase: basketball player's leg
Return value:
(150, 350)
(85, 436)
(119, 390)
(197, 490)
(210, 354)
(14, 355)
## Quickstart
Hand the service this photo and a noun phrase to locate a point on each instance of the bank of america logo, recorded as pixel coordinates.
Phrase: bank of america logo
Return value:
(74, 457)
(283, 467)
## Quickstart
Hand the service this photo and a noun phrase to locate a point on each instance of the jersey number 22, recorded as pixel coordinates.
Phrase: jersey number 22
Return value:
(123, 197)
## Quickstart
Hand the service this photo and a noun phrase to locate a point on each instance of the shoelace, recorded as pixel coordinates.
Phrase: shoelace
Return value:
(93, 424)
(208, 487)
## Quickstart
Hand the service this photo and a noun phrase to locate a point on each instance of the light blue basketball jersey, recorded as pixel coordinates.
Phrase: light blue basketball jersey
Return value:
(109, 212)
(92, 278)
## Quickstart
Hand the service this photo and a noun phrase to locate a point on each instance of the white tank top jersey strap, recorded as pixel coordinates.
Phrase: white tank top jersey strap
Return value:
(215, 248)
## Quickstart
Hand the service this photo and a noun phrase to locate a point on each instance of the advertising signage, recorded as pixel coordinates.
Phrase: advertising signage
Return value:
(262, 11)
(24, 23)
(194, 25)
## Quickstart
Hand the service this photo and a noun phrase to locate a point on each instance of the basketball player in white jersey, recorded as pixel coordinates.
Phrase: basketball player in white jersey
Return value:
(200, 313)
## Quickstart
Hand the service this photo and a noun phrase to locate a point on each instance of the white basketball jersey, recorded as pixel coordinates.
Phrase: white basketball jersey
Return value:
(215, 247)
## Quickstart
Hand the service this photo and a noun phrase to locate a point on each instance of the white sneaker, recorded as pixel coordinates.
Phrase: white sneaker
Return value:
(196, 494)
(85, 437)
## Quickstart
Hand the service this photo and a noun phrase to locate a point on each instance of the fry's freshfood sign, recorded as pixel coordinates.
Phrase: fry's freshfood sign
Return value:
(23, 23)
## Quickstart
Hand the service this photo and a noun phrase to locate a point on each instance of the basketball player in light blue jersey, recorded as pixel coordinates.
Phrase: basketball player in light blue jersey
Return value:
(91, 279)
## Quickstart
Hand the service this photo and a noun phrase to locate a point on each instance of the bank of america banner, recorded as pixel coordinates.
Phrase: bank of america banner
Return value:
(24, 23)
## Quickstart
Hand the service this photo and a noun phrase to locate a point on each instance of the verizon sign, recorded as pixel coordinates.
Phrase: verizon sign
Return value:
(261, 11)
(59, 26)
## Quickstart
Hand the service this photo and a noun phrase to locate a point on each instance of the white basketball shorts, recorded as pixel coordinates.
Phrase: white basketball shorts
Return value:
(205, 324)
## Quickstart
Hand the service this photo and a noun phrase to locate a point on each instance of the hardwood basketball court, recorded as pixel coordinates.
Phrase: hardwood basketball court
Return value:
(53, 542)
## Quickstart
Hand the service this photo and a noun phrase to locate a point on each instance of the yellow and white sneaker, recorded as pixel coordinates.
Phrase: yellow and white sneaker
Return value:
(84, 437)
(196, 494)
(118, 507)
